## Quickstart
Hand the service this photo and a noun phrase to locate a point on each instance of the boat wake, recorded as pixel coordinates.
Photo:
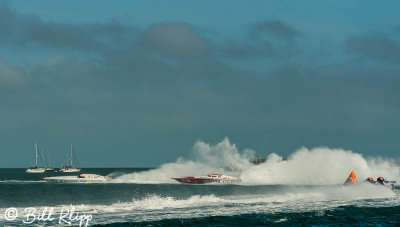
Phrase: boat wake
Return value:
(296, 199)
(317, 166)
(21, 181)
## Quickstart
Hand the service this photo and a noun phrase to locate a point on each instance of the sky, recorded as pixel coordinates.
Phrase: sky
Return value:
(137, 83)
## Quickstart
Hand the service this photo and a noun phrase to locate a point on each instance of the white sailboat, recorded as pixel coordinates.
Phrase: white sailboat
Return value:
(70, 169)
(49, 169)
(35, 169)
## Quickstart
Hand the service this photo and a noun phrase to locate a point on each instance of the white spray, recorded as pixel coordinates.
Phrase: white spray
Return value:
(310, 167)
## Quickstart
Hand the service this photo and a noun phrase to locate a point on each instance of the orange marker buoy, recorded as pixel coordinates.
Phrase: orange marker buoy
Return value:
(352, 179)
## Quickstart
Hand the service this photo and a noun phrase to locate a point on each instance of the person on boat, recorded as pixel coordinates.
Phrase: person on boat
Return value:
(380, 180)
(370, 180)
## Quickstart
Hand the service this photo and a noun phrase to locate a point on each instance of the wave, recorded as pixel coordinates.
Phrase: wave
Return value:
(297, 199)
(304, 167)
(22, 181)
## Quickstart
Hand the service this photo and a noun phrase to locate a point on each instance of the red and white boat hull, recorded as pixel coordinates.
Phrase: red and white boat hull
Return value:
(212, 178)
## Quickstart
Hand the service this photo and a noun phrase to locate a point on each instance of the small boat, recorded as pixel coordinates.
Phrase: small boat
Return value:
(49, 169)
(382, 181)
(82, 178)
(35, 169)
(352, 180)
(70, 168)
(211, 178)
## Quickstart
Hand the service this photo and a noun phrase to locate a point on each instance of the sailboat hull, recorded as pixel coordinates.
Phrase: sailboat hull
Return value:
(71, 170)
(35, 170)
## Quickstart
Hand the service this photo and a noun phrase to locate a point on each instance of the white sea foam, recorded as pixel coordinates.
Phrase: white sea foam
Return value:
(297, 195)
(221, 158)
(317, 166)
(305, 166)
(296, 199)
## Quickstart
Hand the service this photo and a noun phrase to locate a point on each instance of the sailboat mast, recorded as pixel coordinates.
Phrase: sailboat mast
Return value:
(71, 155)
(36, 154)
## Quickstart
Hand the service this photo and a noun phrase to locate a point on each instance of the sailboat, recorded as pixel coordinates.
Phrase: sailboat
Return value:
(49, 169)
(70, 169)
(35, 169)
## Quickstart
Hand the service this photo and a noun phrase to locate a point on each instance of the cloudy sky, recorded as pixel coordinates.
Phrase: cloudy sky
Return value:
(137, 83)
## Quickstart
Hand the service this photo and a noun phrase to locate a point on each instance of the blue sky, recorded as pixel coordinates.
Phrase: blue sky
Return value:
(136, 83)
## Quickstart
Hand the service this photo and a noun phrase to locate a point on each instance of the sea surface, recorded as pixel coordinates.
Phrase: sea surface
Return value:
(133, 204)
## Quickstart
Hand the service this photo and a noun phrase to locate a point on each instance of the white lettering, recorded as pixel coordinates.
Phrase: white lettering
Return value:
(62, 216)
(30, 214)
(67, 216)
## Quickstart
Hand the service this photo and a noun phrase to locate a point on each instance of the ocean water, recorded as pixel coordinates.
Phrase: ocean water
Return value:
(132, 202)
(304, 189)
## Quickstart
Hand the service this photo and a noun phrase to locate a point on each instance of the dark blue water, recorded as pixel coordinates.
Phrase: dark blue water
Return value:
(129, 204)
(346, 216)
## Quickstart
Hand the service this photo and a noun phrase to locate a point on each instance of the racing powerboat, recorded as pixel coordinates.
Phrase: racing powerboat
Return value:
(352, 180)
(382, 181)
(210, 178)
(82, 178)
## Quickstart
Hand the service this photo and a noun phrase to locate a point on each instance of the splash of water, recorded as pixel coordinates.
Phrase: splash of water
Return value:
(221, 158)
(318, 166)
(304, 166)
